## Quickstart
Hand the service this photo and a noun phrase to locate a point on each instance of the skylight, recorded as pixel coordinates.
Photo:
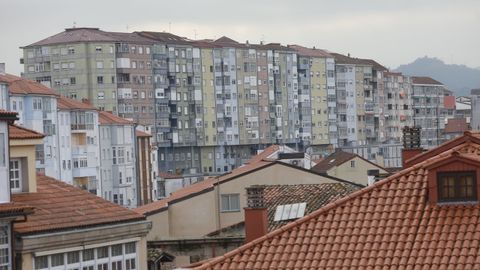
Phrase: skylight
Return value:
(290, 211)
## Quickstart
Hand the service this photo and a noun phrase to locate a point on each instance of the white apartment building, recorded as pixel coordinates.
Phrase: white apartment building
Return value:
(117, 159)
(79, 144)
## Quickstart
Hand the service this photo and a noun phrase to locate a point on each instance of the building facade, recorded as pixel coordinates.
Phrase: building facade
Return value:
(428, 110)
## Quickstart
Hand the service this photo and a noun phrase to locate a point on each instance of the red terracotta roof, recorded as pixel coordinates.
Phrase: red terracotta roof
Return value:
(167, 175)
(449, 102)
(199, 187)
(388, 225)
(425, 80)
(456, 125)
(7, 115)
(20, 133)
(314, 195)
(64, 103)
(21, 86)
(264, 154)
(14, 209)
(59, 206)
(304, 51)
(468, 136)
(335, 159)
(140, 133)
(106, 118)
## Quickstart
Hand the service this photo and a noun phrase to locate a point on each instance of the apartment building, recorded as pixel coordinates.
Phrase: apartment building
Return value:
(210, 104)
(428, 106)
(78, 134)
(106, 236)
(36, 107)
(398, 109)
(78, 63)
(117, 169)
(317, 97)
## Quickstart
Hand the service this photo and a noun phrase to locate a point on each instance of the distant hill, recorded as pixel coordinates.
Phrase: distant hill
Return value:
(458, 78)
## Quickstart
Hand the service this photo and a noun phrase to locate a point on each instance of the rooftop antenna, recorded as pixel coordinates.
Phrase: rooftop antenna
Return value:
(169, 27)
(74, 24)
(263, 39)
(195, 31)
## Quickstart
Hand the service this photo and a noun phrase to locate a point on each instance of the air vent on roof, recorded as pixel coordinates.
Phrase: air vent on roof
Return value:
(290, 211)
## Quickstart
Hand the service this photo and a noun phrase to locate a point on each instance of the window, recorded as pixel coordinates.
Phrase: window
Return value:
(5, 260)
(99, 64)
(87, 255)
(130, 264)
(15, 176)
(102, 252)
(457, 186)
(99, 79)
(37, 103)
(57, 260)
(230, 202)
(352, 163)
(41, 262)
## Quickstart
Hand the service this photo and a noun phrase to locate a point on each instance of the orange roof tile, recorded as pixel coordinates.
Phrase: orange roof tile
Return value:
(335, 159)
(468, 136)
(167, 175)
(14, 209)
(8, 116)
(264, 154)
(59, 206)
(106, 118)
(21, 86)
(64, 103)
(20, 133)
(199, 188)
(388, 225)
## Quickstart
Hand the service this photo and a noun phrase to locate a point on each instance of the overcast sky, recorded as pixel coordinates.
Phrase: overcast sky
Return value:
(391, 32)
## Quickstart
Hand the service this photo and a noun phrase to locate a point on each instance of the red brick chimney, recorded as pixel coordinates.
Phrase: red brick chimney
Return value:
(256, 218)
(411, 144)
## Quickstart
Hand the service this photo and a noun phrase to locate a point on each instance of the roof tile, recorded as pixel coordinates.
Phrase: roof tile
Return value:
(20, 133)
(59, 206)
(406, 232)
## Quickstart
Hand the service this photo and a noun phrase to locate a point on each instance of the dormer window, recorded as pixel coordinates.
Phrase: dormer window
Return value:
(15, 175)
(457, 186)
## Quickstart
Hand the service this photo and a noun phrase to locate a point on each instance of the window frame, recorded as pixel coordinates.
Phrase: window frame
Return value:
(442, 176)
(18, 170)
(228, 208)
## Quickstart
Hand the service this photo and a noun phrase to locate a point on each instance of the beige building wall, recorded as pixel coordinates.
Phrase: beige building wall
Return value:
(203, 209)
(193, 217)
(356, 174)
(318, 86)
(208, 88)
(25, 149)
(160, 226)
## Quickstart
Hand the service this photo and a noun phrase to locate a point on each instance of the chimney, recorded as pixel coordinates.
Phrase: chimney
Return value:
(2, 68)
(86, 101)
(411, 144)
(256, 218)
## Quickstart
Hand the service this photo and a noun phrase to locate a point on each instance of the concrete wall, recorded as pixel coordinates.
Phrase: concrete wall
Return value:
(356, 174)
(199, 215)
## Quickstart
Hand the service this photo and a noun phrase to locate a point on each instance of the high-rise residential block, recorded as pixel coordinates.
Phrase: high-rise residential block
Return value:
(428, 98)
